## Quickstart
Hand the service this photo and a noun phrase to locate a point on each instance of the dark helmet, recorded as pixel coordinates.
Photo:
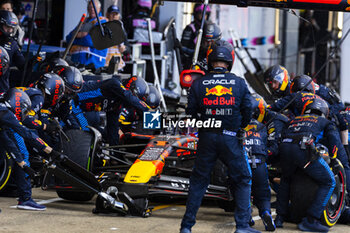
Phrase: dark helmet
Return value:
(4, 60)
(300, 81)
(259, 107)
(316, 106)
(153, 99)
(53, 86)
(18, 102)
(147, 4)
(9, 19)
(279, 74)
(138, 87)
(52, 63)
(73, 80)
(212, 32)
(221, 51)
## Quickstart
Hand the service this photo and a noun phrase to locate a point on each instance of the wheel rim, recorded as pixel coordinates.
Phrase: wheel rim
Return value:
(334, 205)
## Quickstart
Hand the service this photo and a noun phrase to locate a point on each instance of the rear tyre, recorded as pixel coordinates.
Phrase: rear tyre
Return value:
(303, 190)
(77, 149)
(5, 169)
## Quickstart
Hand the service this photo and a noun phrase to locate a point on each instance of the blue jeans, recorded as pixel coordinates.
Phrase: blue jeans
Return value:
(292, 157)
(212, 146)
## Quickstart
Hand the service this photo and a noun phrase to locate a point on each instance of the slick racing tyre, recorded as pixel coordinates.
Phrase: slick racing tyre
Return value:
(77, 149)
(5, 169)
(303, 189)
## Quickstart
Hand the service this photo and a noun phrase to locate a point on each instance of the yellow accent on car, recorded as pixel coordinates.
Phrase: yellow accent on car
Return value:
(140, 172)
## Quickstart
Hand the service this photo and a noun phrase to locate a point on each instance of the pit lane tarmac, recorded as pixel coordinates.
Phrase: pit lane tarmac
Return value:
(66, 216)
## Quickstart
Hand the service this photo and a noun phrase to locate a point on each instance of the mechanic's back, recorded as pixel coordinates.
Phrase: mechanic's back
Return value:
(223, 96)
(220, 96)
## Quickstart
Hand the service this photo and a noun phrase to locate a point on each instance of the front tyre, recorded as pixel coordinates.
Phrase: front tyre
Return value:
(5, 169)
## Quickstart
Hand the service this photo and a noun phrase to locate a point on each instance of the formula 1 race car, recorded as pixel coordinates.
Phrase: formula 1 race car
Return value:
(165, 165)
(161, 167)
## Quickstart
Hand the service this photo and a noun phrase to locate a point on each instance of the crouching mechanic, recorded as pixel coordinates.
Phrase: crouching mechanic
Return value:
(67, 109)
(109, 96)
(14, 106)
(299, 138)
(130, 120)
(225, 97)
(256, 147)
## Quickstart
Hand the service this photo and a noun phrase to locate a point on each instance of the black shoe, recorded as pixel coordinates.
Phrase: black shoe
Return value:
(268, 221)
(247, 230)
(279, 221)
(312, 225)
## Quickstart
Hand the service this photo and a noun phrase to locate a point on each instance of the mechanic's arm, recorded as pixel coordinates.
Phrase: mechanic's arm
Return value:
(334, 143)
(186, 40)
(115, 90)
(272, 142)
(76, 119)
(275, 129)
(282, 102)
(32, 123)
(343, 123)
(263, 134)
(246, 105)
(10, 147)
(192, 101)
(10, 120)
(18, 59)
(134, 101)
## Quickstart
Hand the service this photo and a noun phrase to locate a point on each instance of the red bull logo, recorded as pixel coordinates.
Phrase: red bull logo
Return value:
(219, 90)
(219, 101)
(57, 92)
(130, 81)
(18, 109)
